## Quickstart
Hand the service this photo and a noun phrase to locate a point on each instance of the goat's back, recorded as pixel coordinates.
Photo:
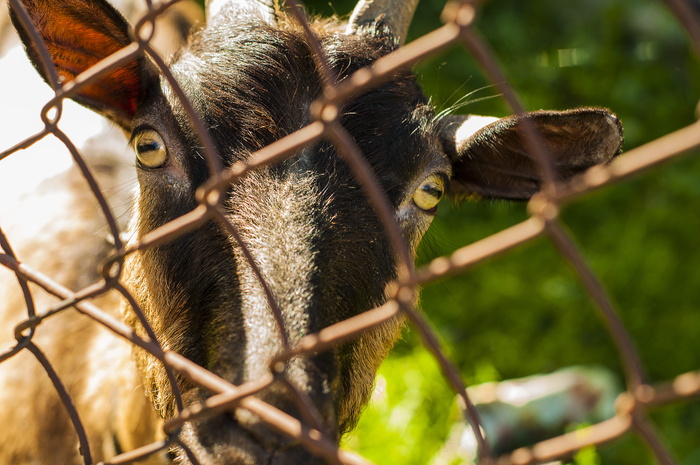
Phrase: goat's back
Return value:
(58, 231)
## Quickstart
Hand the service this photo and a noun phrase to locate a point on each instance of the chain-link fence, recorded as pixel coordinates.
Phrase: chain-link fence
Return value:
(544, 222)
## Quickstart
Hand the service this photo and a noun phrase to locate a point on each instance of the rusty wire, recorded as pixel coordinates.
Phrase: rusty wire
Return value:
(545, 221)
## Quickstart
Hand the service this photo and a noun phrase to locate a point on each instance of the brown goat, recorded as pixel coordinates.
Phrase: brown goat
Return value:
(252, 76)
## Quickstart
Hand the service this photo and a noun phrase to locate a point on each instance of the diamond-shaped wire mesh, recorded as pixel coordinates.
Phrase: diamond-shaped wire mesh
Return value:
(544, 222)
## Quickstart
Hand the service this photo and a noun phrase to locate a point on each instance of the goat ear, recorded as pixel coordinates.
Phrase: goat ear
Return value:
(78, 34)
(491, 161)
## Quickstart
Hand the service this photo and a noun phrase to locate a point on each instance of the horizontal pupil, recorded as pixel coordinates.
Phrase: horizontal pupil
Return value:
(432, 190)
(148, 147)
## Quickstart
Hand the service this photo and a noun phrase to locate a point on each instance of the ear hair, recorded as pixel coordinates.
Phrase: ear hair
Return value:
(78, 34)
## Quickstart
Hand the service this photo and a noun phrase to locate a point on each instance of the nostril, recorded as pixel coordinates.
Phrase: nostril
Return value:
(310, 408)
(261, 431)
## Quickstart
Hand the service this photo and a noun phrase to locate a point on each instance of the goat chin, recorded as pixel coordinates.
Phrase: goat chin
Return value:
(220, 441)
(291, 248)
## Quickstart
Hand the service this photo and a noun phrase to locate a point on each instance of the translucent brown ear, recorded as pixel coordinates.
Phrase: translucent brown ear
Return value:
(493, 162)
(78, 34)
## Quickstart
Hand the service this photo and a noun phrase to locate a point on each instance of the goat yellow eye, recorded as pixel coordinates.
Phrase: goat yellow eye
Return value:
(150, 149)
(429, 193)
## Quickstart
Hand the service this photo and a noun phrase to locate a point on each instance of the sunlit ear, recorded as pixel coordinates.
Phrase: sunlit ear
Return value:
(492, 161)
(78, 34)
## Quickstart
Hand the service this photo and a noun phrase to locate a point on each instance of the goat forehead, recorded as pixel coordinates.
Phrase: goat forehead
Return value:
(257, 83)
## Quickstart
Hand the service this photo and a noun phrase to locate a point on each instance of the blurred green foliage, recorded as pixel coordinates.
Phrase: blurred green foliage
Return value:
(526, 312)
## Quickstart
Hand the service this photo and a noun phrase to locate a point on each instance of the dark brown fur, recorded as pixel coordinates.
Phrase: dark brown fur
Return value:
(313, 234)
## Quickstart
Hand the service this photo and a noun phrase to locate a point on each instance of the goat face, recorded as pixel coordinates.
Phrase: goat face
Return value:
(321, 250)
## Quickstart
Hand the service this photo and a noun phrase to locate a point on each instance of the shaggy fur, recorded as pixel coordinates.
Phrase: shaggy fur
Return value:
(306, 221)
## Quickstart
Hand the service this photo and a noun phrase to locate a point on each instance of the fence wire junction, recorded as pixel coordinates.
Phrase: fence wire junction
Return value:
(544, 221)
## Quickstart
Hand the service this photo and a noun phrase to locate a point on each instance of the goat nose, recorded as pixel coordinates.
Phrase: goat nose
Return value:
(312, 409)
